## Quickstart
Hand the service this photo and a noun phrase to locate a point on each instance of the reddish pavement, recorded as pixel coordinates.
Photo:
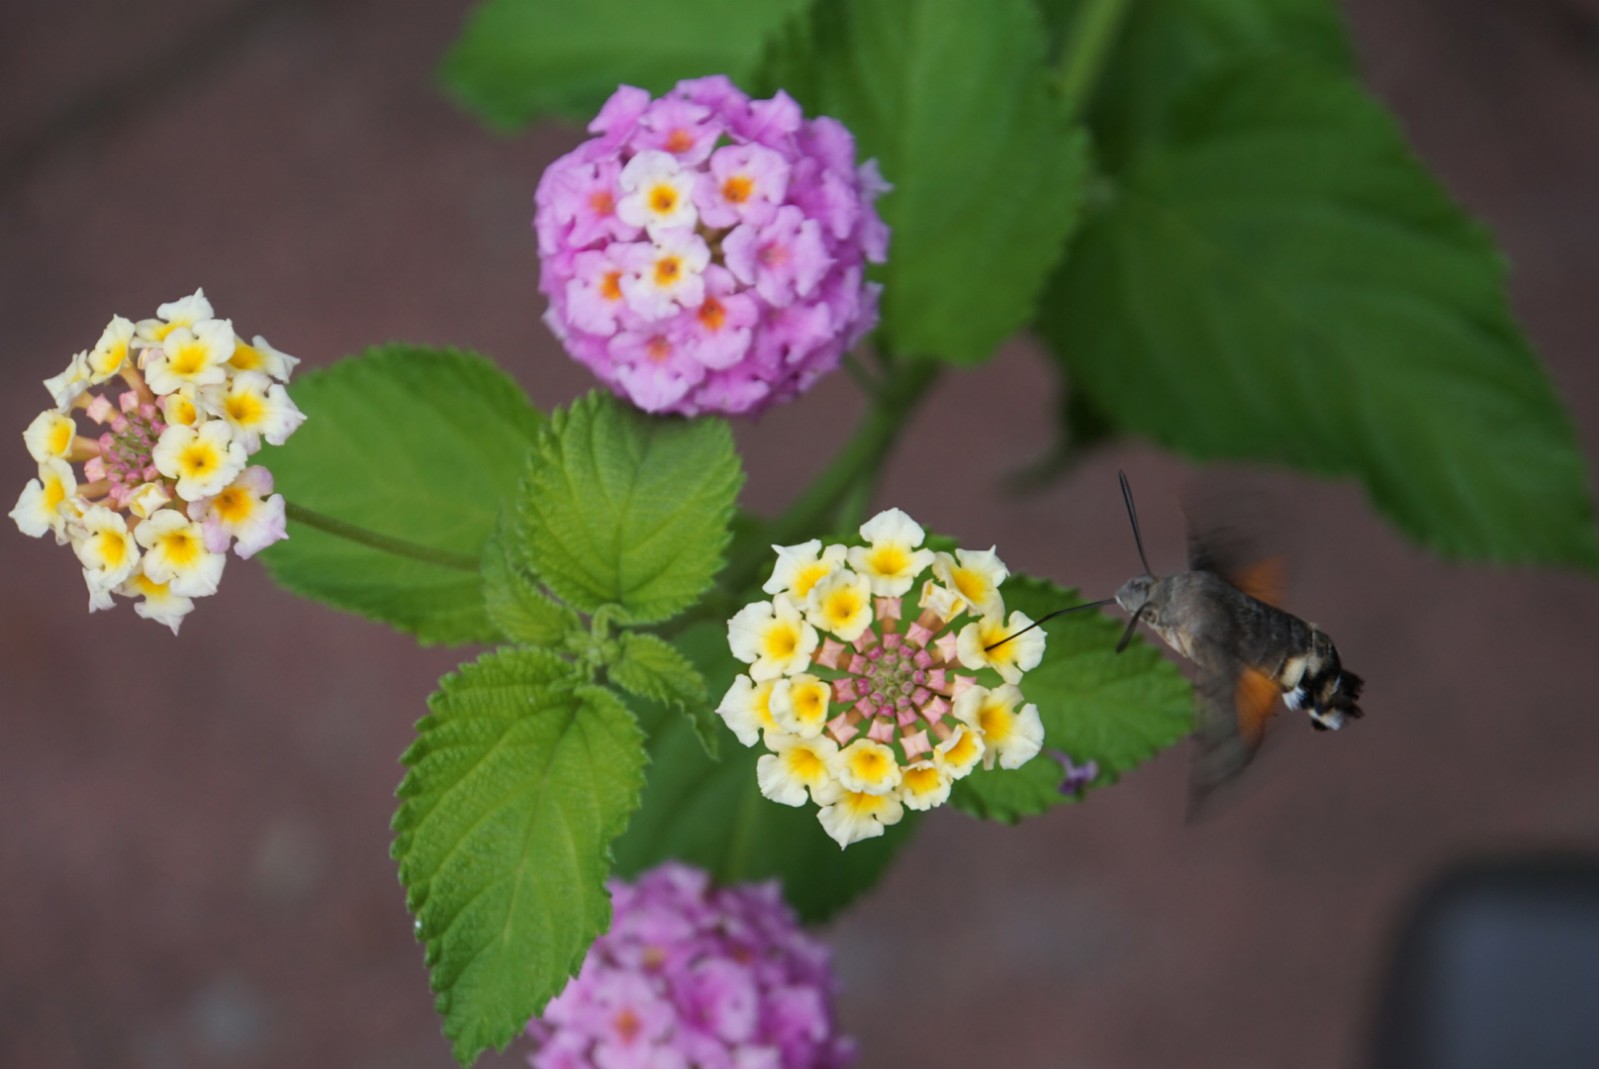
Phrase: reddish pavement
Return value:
(194, 838)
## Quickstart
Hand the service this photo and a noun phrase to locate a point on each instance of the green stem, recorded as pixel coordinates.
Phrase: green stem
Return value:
(1087, 47)
(848, 480)
(740, 843)
(381, 542)
(861, 458)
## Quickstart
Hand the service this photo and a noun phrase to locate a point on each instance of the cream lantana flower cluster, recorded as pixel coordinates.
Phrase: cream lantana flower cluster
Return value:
(867, 709)
(180, 403)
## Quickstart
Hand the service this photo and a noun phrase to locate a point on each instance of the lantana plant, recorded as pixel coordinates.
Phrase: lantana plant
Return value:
(1216, 238)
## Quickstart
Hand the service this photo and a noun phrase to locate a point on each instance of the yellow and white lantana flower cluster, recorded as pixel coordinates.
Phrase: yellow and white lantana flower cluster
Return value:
(178, 405)
(867, 714)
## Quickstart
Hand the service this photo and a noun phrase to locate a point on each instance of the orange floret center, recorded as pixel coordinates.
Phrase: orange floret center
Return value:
(712, 314)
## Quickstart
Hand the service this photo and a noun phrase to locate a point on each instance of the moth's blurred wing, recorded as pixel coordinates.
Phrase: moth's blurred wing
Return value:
(1235, 704)
(1218, 543)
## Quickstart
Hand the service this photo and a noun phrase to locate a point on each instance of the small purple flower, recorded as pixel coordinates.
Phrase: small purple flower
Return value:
(706, 252)
(1076, 778)
(691, 974)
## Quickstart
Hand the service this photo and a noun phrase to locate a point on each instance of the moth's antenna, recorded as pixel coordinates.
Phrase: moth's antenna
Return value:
(1050, 616)
(1138, 539)
(1127, 635)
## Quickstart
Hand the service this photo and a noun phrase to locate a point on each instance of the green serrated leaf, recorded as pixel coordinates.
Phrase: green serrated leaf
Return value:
(1117, 710)
(651, 668)
(1162, 47)
(518, 59)
(1281, 280)
(619, 508)
(415, 444)
(712, 814)
(953, 102)
(517, 783)
(514, 601)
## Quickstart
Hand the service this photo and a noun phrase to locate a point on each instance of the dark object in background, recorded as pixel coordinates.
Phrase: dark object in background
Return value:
(1497, 966)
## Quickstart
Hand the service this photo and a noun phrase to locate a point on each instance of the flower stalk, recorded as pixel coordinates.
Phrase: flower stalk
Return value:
(380, 542)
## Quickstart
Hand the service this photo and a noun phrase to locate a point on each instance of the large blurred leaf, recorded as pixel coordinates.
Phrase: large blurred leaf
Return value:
(1117, 710)
(620, 508)
(952, 100)
(1159, 48)
(415, 444)
(518, 59)
(1281, 280)
(517, 783)
(712, 814)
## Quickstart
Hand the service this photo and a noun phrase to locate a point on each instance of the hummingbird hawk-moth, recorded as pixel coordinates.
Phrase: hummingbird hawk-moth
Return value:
(1224, 617)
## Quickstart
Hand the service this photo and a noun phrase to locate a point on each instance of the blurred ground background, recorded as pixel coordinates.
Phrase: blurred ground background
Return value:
(194, 833)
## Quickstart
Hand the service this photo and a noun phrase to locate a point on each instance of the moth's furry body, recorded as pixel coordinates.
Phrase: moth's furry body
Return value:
(1224, 630)
(1249, 654)
(1221, 615)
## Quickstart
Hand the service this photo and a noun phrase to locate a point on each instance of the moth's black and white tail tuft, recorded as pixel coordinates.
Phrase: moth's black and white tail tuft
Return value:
(1326, 691)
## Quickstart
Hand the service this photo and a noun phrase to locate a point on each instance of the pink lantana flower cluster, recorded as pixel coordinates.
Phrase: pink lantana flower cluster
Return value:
(693, 975)
(176, 406)
(877, 677)
(706, 252)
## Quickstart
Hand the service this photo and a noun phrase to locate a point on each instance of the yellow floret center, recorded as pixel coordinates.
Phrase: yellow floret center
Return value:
(861, 804)
(809, 576)
(55, 492)
(737, 189)
(869, 765)
(245, 409)
(234, 505)
(996, 721)
(990, 632)
(972, 586)
(842, 607)
(889, 560)
(921, 780)
(246, 357)
(189, 359)
(60, 437)
(963, 751)
(180, 410)
(810, 703)
(181, 547)
(806, 765)
(763, 704)
(107, 362)
(198, 459)
(113, 548)
(781, 641)
(149, 587)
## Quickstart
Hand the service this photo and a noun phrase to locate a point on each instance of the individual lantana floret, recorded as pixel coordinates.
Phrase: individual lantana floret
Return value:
(867, 713)
(691, 974)
(706, 252)
(180, 403)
